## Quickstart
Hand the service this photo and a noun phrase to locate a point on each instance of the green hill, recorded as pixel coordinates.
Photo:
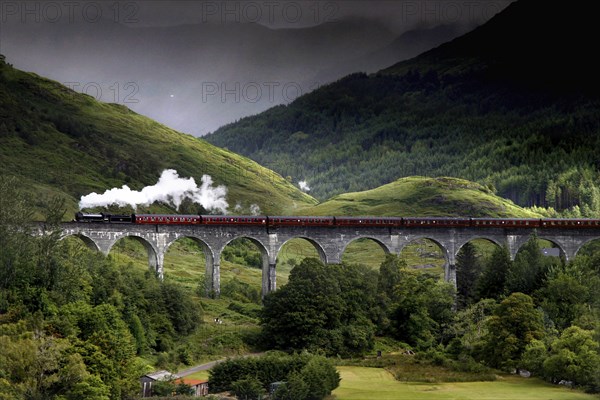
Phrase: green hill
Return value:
(58, 142)
(512, 104)
(419, 196)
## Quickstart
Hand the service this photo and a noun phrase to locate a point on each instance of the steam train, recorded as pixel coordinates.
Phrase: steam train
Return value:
(391, 222)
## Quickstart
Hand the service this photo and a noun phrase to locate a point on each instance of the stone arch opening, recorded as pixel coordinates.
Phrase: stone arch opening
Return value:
(483, 243)
(86, 240)
(365, 250)
(244, 270)
(188, 260)
(548, 247)
(426, 254)
(127, 248)
(292, 252)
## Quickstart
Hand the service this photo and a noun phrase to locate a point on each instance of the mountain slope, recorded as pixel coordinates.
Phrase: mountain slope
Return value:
(511, 104)
(59, 142)
(423, 197)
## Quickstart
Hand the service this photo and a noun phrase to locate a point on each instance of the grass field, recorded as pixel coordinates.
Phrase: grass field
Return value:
(361, 383)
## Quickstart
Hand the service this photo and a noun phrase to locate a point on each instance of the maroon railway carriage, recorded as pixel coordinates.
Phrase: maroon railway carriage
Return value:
(368, 221)
(234, 220)
(436, 221)
(167, 219)
(300, 221)
(570, 223)
(505, 222)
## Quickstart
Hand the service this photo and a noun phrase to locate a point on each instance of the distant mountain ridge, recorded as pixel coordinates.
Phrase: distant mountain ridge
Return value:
(512, 105)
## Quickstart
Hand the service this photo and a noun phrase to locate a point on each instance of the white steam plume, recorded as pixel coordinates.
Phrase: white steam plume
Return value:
(170, 188)
(304, 186)
(254, 209)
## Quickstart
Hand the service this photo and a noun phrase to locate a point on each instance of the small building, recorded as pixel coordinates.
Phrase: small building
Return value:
(200, 386)
(551, 252)
(148, 379)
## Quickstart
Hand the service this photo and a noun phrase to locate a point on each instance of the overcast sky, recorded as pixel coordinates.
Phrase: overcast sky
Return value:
(398, 14)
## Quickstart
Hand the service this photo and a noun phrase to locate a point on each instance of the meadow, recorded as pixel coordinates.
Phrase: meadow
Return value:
(362, 383)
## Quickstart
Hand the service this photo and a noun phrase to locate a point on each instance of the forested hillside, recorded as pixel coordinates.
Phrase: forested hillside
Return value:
(511, 105)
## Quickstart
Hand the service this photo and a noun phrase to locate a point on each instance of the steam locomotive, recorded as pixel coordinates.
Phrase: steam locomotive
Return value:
(391, 222)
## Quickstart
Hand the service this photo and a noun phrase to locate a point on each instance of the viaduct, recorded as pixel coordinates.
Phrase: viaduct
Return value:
(330, 242)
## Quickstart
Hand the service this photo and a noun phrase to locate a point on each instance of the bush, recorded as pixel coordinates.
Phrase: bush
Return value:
(308, 377)
(249, 388)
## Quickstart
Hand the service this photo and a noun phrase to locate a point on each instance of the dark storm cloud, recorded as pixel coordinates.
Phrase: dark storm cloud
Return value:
(398, 14)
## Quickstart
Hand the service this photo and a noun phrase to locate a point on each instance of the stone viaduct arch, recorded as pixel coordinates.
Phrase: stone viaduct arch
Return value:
(330, 242)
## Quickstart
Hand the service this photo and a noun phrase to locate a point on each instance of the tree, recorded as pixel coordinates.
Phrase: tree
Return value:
(390, 275)
(468, 271)
(17, 245)
(534, 356)
(294, 388)
(44, 367)
(492, 281)
(248, 388)
(515, 323)
(564, 299)
(321, 378)
(575, 357)
(470, 326)
(321, 309)
(527, 273)
(420, 308)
